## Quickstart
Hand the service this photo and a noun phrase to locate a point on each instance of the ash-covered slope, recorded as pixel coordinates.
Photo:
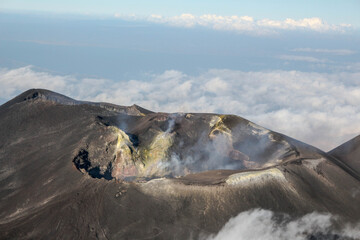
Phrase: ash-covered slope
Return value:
(349, 153)
(81, 170)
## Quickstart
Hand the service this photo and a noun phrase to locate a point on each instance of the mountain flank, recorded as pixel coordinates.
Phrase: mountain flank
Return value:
(82, 170)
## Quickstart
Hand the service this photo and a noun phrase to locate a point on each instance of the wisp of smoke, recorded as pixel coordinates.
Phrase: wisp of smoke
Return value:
(264, 224)
(222, 151)
(202, 156)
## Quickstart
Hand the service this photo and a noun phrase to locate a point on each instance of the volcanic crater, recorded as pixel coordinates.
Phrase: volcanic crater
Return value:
(82, 170)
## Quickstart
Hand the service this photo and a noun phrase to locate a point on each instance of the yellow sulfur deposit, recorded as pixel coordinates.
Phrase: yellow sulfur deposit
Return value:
(221, 135)
(157, 153)
(125, 156)
(217, 126)
(146, 162)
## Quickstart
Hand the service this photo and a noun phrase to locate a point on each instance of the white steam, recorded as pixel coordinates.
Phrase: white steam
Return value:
(171, 122)
(205, 154)
(259, 224)
(223, 150)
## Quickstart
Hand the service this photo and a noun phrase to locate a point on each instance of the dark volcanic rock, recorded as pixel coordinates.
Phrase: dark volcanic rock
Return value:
(82, 170)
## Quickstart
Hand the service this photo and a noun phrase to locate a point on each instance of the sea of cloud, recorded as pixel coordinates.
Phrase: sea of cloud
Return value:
(258, 224)
(242, 24)
(322, 109)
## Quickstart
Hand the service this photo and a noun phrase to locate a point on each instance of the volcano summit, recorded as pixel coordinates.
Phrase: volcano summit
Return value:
(82, 170)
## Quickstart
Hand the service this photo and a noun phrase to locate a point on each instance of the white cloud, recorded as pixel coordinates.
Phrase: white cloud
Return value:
(315, 24)
(244, 24)
(262, 224)
(324, 50)
(318, 108)
(302, 58)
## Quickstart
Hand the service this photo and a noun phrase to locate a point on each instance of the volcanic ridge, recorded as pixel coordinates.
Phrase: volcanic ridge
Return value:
(82, 170)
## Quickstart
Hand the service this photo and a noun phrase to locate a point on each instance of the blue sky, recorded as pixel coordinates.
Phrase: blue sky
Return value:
(291, 66)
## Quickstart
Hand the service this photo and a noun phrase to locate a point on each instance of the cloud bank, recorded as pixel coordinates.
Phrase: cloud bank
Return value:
(322, 109)
(302, 58)
(262, 224)
(342, 52)
(243, 24)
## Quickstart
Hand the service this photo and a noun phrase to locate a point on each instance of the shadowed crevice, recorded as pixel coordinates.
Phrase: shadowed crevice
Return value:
(83, 164)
